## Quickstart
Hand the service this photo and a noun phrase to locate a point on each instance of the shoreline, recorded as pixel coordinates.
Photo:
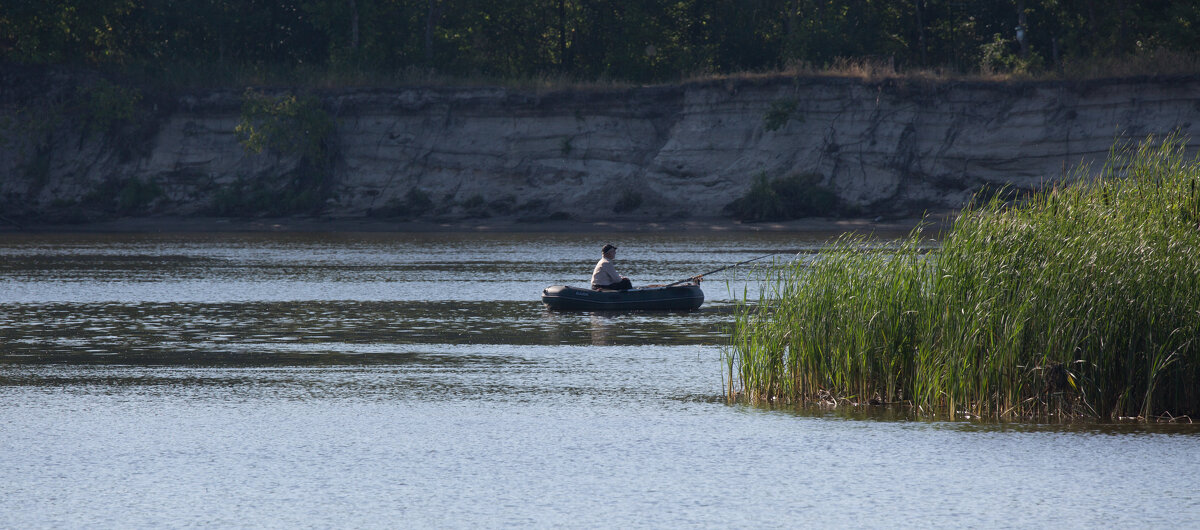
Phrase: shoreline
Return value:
(496, 224)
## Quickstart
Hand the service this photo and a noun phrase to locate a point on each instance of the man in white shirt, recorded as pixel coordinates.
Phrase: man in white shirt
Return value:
(605, 276)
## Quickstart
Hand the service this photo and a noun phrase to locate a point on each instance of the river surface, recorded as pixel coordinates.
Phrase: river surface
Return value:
(401, 380)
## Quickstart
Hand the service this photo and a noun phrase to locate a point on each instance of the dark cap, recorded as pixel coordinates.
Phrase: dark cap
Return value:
(607, 248)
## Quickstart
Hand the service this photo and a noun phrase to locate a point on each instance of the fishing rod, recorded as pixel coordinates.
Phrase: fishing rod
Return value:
(685, 280)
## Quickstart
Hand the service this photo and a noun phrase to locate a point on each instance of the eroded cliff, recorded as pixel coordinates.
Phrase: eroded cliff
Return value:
(892, 147)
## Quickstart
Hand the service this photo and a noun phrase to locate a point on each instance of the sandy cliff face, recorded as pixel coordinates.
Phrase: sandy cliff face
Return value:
(890, 147)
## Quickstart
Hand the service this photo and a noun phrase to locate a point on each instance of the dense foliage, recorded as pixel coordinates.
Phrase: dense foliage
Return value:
(1081, 301)
(615, 39)
(782, 199)
(283, 125)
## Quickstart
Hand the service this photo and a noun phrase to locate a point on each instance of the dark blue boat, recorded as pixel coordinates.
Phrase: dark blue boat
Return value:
(674, 297)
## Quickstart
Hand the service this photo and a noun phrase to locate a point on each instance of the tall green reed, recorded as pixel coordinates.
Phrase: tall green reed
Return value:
(1079, 301)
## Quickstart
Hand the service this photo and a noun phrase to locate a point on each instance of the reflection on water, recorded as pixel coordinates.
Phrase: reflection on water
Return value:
(173, 333)
(416, 379)
(602, 329)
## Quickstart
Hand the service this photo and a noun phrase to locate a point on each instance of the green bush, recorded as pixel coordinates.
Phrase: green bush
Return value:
(1077, 302)
(244, 197)
(118, 197)
(1000, 57)
(533, 205)
(415, 203)
(780, 112)
(418, 201)
(504, 205)
(107, 105)
(137, 195)
(628, 201)
(298, 193)
(474, 202)
(476, 206)
(286, 124)
(37, 169)
(783, 199)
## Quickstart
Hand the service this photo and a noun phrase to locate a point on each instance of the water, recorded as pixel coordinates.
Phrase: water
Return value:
(384, 380)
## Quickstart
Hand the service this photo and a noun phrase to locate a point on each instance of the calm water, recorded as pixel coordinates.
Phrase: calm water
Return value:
(391, 380)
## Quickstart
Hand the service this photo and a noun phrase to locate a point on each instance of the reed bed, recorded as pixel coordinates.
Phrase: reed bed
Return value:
(1079, 301)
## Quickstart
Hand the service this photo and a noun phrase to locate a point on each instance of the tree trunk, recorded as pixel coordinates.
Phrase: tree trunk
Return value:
(354, 25)
(430, 24)
(921, 30)
(1023, 29)
(562, 35)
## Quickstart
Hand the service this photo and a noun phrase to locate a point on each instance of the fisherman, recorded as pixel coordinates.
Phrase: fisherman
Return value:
(605, 276)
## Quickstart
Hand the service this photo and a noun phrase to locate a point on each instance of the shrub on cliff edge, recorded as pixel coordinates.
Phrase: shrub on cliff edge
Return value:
(286, 125)
(782, 199)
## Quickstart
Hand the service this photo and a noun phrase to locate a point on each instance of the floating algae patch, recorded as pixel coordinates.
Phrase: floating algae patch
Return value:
(1081, 301)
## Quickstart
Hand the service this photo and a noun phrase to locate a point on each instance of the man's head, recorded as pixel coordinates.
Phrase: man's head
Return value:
(609, 251)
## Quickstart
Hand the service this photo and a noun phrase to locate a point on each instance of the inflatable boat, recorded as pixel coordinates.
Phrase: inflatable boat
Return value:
(674, 297)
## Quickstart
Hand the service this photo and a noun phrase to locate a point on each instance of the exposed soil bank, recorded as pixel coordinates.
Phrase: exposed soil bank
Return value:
(73, 149)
